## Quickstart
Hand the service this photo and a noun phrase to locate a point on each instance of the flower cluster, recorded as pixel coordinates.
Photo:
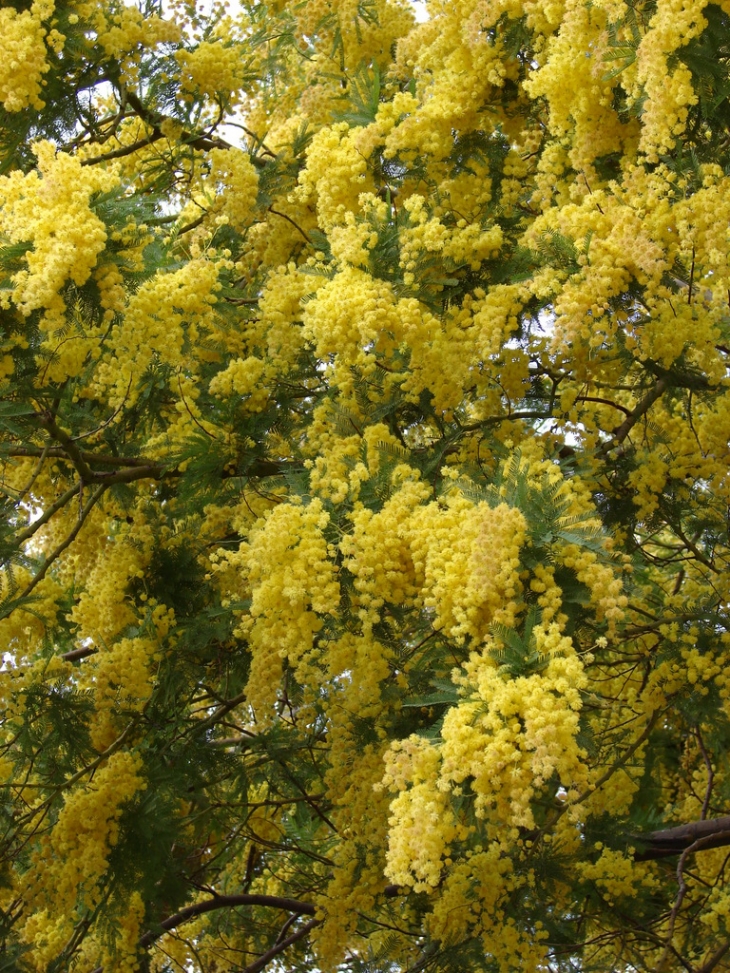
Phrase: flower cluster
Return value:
(24, 55)
(335, 175)
(378, 553)
(213, 68)
(292, 583)
(422, 825)
(505, 740)
(125, 33)
(166, 313)
(50, 207)
(72, 859)
(235, 182)
(242, 377)
(467, 561)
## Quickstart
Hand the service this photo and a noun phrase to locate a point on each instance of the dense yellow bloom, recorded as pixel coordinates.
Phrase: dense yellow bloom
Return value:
(365, 487)
(335, 174)
(286, 603)
(212, 68)
(51, 209)
(235, 183)
(73, 858)
(160, 320)
(24, 62)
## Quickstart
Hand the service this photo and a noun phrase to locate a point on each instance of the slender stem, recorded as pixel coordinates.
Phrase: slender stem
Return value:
(710, 774)
(296, 226)
(124, 150)
(84, 513)
(47, 421)
(714, 959)
(620, 762)
(94, 459)
(224, 902)
(279, 947)
(621, 432)
(28, 532)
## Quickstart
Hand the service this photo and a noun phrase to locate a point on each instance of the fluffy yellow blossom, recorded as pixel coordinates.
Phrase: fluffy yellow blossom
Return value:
(212, 67)
(242, 377)
(51, 208)
(466, 559)
(292, 584)
(378, 553)
(422, 826)
(125, 32)
(335, 174)
(160, 319)
(72, 860)
(234, 177)
(512, 735)
(24, 62)
(613, 873)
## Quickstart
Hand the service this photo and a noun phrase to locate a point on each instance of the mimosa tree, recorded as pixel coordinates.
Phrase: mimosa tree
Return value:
(365, 486)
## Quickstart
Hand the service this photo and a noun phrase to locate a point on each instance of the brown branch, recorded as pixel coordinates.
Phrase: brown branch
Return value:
(710, 774)
(36, 473)
(136, 469)
(151, 472)
(596, 398)
(224, 708)
(79, 459)
(89, 457)
(700, 844)
(621, 432)
(124, 150)
(296, 226)
(54, 555)
(76, 654)
(714, 959)
(155, 119)
(277, 948)
(223, 902)
(511, 416)
(28, 532)
(619, 763)
(193, 224)
(148, 468)
(712, 833)
(46, 420)
(231, 902)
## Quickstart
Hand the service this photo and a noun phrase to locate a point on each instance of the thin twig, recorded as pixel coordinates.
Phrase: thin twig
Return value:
(595, 398)
(190, 413)
(224, 902)
(681, 892)
(31, 529)
(279, 947)
(124, 150)
(83, 514)
(290, 220)
(710, 774)
(36, 473)
(713, 960)
(621, 432)
(619, 763)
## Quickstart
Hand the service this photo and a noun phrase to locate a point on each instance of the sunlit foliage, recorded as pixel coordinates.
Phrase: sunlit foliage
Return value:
(365, 486)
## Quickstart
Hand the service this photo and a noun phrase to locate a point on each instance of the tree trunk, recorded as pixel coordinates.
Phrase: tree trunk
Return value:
(713, 833)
